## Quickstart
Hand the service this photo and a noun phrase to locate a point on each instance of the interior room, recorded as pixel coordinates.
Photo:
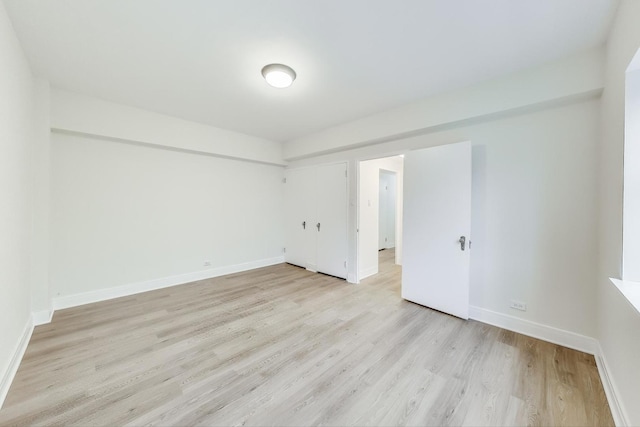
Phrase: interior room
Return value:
(301, 213)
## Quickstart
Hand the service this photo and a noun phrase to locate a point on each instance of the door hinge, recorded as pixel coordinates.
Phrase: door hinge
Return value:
(345, 264)
(284, 250)
(284, 180)
(345, 174)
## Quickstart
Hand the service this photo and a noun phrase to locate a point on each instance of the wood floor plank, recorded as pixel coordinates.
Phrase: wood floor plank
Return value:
(283, 346)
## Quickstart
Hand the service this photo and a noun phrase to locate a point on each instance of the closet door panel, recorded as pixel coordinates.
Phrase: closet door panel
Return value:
(331, 224)
(299, 217)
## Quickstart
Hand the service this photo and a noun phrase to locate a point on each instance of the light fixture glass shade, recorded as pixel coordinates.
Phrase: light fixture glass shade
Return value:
(278, 75)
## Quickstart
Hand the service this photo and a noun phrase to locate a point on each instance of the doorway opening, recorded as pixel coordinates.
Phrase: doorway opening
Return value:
(380, 187)
(433, 202)
(387, 210)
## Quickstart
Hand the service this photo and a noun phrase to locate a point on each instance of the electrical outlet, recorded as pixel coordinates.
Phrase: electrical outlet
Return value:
(207, 263)
(518, 305)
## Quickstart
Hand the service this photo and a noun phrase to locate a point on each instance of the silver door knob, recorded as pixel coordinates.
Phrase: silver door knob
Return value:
(304, 225)
(318, 225)
(462, 241)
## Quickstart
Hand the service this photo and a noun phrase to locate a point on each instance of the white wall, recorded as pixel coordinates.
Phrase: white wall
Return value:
(123, 214)
(565, 79)
(40, 292)
(141, 200)
(80, 114)
(534, 211)
(631, 214)
(368, 213)
(16, 196)
(618, 322)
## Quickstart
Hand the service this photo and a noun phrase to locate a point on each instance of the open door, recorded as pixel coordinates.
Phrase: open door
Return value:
(437, 226)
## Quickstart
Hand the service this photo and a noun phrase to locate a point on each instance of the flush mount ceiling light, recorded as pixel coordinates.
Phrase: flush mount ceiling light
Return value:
(278, 75)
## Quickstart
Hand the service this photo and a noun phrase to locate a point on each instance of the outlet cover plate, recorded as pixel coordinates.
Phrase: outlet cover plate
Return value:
(517, 305)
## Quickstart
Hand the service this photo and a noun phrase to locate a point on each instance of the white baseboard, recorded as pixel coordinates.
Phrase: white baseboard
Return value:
(368, 272)
(617, 410)
(42, 317)
(18, 353)
(564, 338)
(536, 330)
(75, 300)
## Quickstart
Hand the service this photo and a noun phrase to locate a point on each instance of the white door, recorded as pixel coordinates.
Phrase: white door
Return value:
(387, 210)
(437, 217)
(383, 189)
(391, 210)
(331, 223)
(299, 217)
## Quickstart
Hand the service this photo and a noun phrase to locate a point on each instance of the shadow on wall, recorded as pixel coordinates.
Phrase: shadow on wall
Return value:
(478, 223)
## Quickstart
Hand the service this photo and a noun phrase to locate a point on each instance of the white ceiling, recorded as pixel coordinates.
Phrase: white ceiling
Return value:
(201, 59)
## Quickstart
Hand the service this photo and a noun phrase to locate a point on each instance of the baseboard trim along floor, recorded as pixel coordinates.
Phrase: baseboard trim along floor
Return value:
(534, 329)
(18, 354)
(617, 410)
(76, 300)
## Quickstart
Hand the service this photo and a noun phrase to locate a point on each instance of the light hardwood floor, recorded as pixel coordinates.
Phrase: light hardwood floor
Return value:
(282, 346)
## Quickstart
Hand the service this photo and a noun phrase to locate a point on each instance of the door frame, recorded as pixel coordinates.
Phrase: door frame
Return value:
(354, 167)
(357, 208)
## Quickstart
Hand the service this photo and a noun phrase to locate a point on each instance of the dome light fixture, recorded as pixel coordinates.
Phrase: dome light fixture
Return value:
(278, 75)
